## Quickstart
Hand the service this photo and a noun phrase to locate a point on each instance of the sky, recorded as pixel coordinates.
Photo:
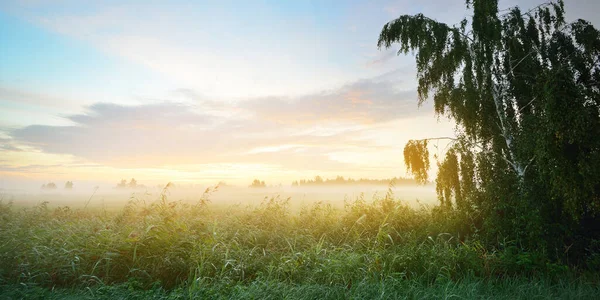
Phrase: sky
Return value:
(208, 91)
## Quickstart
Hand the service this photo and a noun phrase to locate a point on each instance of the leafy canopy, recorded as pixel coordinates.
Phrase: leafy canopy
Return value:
(523, 89)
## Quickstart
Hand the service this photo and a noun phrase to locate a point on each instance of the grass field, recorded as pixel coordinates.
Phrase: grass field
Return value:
(386, 289)
(378, 248)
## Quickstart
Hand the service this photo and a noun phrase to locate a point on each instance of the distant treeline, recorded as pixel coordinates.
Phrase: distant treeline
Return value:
(340, 180)
(52, 186)
(133, 184)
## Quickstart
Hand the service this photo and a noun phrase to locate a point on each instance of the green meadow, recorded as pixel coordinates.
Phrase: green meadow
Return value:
(377, 248)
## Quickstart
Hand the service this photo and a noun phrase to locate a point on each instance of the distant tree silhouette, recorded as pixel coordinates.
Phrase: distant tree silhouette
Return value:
(258, 184)
(222, 184)
(69, 185)
(318, 179)
(49, 186)
(122, 184)
(340, 180)
(133, 183)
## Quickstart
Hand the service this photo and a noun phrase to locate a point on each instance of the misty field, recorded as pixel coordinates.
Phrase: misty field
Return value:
(111, 199)
(155, 247)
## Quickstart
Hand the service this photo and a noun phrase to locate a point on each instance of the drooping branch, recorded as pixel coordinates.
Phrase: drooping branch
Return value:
(416, 158)
(414, 155)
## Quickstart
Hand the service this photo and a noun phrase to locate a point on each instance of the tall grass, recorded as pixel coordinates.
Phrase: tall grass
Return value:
(200, 245)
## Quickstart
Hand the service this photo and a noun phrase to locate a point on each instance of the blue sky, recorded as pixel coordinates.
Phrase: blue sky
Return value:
(198, 90)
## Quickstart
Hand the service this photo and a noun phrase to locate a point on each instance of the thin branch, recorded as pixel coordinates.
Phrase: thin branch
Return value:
(528, 164)
(509, 162)
(535, 50)
(549, 3)
(520, 109)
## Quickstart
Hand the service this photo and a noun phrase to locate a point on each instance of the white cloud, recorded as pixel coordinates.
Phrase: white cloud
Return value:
(321, 131)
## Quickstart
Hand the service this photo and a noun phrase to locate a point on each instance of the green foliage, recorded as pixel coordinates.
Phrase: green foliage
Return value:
(416, 157)
(197, 244)
(524, 91)
(390, 288)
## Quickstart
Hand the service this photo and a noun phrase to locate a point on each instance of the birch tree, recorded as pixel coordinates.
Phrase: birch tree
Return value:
(523, 88)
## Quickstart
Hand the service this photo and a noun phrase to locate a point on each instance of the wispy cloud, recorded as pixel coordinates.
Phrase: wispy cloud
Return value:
(38, 99)
(295, 132)
(209, 47)
(7, 145)
(367, 101)
(382, 58)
